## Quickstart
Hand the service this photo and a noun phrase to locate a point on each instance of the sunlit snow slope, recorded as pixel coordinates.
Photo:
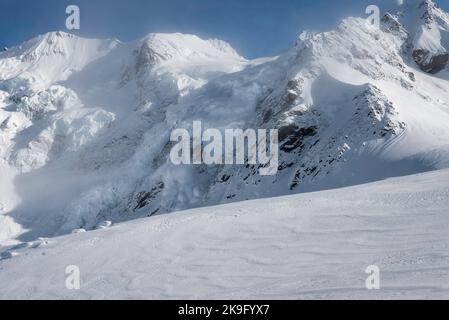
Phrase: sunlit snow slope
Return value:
(85, 124)
(315, 245)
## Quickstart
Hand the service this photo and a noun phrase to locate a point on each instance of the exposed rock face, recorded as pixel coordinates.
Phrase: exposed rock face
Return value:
(147, 57)
(420, 26)
(145, 198)
(292, 137)
(391, 24)
(430, 63)
(429, 51)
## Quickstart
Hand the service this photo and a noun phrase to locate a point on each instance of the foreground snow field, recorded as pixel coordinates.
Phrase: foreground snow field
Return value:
(314, 245)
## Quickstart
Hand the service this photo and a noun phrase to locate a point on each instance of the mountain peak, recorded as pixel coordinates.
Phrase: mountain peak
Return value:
(416, 3)
(56, 35)
(52, 56)
(172, 45)
(427, 26)
(159, 47)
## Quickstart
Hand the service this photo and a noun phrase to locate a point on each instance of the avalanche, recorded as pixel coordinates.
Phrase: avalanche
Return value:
(249, 144)
(85, 124)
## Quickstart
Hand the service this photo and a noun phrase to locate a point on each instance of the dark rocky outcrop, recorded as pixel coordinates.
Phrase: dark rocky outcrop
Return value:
(292, 137)
(430, 63)
(146, 57)
(144, 198)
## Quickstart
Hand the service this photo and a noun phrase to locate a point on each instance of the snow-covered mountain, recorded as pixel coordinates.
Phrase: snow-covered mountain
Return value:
(85, 124)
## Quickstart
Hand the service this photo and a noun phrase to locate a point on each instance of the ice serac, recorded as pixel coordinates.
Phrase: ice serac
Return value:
(85, 124)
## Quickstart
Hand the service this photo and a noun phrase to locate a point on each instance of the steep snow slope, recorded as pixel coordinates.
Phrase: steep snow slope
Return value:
(49, 58)
(85, 124)
(66, 132)
(429, 33)
(315, 245)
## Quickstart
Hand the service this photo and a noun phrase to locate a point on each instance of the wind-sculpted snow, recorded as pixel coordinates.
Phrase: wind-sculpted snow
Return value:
(308, 246)
(85, 124)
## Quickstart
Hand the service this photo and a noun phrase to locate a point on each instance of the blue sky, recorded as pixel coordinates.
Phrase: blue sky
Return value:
(254, 27)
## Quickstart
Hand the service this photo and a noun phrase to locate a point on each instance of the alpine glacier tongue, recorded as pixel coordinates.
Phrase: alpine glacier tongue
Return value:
(85, 124)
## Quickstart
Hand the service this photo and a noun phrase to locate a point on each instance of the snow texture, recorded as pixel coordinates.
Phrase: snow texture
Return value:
(308, 246)
(85, 139)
